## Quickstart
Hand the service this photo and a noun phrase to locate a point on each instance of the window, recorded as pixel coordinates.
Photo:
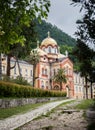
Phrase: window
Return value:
(15, 70)
(76, 89)
(3, 68)
(42, 71)
(66, 70)
(55, 50)
(31, 73)
(46, 84)
(79, 89)
(57, 70)
(42, 84)
(26, 72)
(21, 71)
(43, 48)
(69, 71)
(76, 78)
(49, 49)
(45, 71)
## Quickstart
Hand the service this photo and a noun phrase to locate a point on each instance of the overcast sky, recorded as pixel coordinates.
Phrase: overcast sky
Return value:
(64, 16)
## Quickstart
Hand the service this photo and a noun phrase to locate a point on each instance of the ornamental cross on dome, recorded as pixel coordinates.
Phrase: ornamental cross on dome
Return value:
(48, 34)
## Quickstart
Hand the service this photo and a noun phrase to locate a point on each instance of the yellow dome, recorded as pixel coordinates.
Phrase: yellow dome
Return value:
(48, 41)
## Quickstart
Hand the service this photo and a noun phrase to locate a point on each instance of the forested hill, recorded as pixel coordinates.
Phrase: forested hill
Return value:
(56, 33)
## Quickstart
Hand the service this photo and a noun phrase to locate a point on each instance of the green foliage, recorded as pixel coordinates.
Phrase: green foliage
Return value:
(7, 112)
(60, 77)
(65, 41)
(17, 80)
(85, 104)
(20, 80)
(84, 57)
(61, 37)
(13, 90)
(15, 15)
(33, 59)
(86, 25)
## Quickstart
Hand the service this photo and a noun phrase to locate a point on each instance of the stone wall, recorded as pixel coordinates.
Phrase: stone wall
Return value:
(7, 103)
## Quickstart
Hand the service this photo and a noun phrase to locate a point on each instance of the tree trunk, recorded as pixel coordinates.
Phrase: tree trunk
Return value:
(34, 70)
(60, 86)
(86, 87)
(91, 91)
(8, 65)
(18, 67)
(50, 77)
(0, 67)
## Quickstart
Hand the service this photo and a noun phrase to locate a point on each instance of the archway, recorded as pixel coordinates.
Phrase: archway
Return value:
(56, 87)
(68, 91)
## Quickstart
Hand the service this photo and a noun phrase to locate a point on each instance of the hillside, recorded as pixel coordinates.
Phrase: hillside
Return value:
(56, 33)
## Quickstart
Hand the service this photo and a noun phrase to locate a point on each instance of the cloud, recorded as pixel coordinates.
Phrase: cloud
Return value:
(64, 15)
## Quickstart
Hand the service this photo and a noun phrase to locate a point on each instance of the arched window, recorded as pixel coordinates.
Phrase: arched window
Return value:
(56, 87)
(42, 84)
(66, 70)
(15, 70)
(26, 72)
(45, 71)
(49, 49)
(46, 84)
(55, 50)
(43, 48)
(42, 71)
(31, 73)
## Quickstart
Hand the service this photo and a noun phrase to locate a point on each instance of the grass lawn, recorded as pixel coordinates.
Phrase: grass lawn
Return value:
(7, 112)
(85, 104)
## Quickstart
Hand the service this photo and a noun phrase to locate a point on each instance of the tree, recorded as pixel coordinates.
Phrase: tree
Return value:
(84, 57)
(60, 77)
(86, 26)
(33, 59)
(14, 16)
(86, 34)
(56, 33)
(1, 33)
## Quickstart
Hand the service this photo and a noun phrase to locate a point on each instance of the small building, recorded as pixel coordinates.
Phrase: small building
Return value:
(79, 83)
(80, 87)
(26, 69)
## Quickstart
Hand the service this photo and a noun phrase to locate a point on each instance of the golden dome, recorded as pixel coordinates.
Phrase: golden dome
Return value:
(40, 52)
(48, 41)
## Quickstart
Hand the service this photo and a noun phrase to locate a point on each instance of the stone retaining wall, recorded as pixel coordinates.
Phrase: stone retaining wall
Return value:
(7, 103)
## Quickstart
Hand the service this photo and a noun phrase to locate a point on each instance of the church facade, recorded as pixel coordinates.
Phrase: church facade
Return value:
(51, 60)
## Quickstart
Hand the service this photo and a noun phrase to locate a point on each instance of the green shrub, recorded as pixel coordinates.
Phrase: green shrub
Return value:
(8, 89)
(18, 80)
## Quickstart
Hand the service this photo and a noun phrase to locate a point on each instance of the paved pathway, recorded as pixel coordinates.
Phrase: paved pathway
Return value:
(14, 122)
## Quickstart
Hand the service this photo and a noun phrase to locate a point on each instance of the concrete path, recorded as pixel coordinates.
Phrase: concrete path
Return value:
(16, 121)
